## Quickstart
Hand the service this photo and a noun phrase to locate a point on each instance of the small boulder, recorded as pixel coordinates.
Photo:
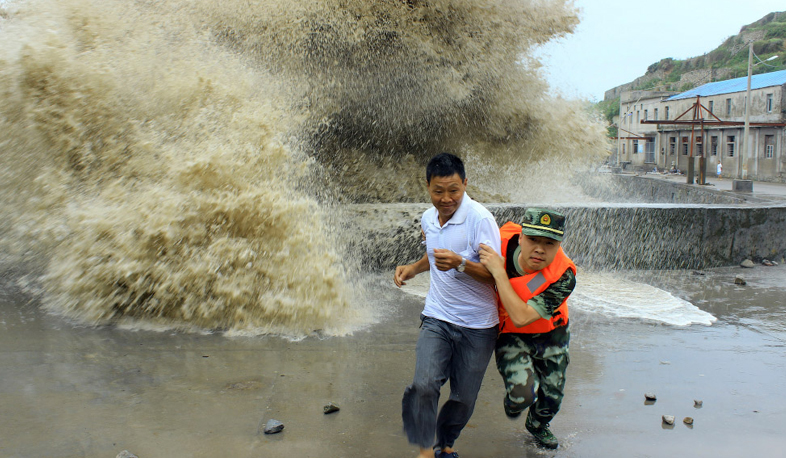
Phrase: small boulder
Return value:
(738, 280)
(668, 419)
(330, 408)
(688, 421)
(768, 263)
(697, 404)
(126, 454)
(748, 264)
(650, 397)
(273, 427)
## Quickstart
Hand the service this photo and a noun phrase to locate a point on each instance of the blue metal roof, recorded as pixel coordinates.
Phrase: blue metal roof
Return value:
(734, 85)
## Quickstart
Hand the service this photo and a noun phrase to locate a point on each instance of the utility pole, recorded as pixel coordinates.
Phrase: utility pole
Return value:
(742, 183)
(746, 130)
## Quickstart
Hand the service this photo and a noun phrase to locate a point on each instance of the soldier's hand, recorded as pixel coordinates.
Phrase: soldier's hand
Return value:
(491, 260)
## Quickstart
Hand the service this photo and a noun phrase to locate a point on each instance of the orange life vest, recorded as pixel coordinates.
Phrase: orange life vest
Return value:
(530, 285)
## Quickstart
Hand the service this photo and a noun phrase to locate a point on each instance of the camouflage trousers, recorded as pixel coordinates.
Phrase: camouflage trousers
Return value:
(534, 375)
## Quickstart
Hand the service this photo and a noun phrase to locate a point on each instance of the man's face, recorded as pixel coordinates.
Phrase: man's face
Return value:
(537, 252)
(446, 194)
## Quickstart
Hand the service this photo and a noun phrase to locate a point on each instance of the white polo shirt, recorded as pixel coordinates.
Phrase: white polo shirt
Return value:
(455, 296)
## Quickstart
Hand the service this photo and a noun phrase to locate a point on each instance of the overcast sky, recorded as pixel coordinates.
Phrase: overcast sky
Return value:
(617, 40)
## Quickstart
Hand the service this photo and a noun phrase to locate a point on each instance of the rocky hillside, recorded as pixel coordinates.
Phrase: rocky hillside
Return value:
(729, 60)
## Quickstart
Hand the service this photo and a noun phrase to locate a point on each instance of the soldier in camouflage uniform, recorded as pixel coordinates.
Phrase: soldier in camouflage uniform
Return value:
(534, 280)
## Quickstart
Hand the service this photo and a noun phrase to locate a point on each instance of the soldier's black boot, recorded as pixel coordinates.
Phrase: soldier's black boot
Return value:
(510, 410)
(542, 434)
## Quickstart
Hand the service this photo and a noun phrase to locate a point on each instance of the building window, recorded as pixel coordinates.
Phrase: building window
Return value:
(672, 145)
(714, 145)
(699, 147)
(649, 150)
(635, 147)
(728, 107)
(769, 146)
(645, 115)
(730, 145)
(685, 146)
(769, 103)
(637, 117)
(623, 149)
(712, 105)
(667, 113)
(656, 114)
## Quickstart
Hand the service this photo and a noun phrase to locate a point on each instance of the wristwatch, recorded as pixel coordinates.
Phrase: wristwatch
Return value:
(463, 264)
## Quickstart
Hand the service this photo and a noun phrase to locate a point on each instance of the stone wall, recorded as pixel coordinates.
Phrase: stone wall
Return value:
(649, 189)
(602, 235)
(694, 78)
(704, 75)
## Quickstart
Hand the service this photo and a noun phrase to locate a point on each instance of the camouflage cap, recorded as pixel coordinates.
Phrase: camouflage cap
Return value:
(543, 223)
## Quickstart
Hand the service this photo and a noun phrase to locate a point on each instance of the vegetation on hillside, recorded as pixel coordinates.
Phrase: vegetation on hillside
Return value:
(730, 59)
(727, 61)
(608, 109)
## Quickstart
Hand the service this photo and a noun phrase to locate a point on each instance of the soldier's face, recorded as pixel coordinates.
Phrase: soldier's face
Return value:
(537, 252)
(446, 194)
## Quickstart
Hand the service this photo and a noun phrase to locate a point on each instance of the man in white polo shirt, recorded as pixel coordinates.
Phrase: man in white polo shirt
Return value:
(459, 322)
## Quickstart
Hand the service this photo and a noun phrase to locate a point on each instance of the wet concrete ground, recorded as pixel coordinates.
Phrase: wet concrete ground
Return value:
(72, 391)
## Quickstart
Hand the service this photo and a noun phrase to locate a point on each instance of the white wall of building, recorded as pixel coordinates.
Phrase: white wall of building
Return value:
(672, 143)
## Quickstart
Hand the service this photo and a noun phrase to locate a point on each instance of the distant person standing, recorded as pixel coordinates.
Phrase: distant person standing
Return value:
(719, 170)
(459, 322)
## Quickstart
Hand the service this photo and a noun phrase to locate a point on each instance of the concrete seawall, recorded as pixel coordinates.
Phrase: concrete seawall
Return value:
(609, 235)
(652, 189)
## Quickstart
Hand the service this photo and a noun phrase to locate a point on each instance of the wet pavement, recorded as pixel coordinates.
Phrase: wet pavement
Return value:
(74, 391)
(69, 390)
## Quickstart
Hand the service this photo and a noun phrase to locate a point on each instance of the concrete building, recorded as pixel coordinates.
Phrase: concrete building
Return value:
(658, 129)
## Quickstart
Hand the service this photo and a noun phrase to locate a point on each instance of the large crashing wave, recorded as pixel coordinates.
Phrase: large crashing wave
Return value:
(172, 161)
(147, 164)
(385, 85)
